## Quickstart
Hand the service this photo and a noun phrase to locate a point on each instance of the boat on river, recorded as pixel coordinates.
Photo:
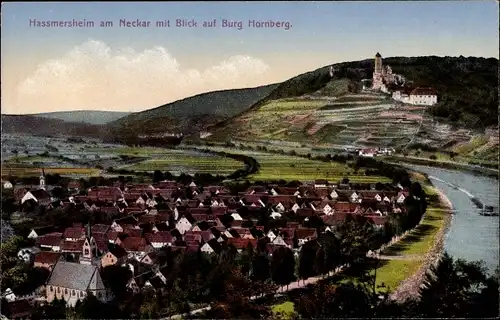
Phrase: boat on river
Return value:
(489, 211)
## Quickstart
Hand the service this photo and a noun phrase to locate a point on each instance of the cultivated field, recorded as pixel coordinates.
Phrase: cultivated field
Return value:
(189, 164)
(19, 171)
(276, 167)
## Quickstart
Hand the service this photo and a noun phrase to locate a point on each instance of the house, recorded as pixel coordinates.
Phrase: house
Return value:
(40, 196)
(74, 186)
(423, 96)
(9, 295)
(320, 183)
(185, 223)
(212, 246)
(159, 239)
(74, 234)
(47, 259)
(51, 241)
(7, 184)
(241, 244)
(105, 193)
(368, 152)
(71, 282)
(27, 255)
(116, 255)
(136, 245)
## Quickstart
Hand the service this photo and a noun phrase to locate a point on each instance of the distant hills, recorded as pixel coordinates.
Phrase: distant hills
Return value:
(191, 114)
(85, 116)
(27, 124)
(467, 89)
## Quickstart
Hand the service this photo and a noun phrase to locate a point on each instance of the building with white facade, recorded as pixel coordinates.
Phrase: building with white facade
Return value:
(423, 97)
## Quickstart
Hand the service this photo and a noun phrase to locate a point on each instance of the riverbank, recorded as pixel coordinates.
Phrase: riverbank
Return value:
(475, 169)
(409, 288)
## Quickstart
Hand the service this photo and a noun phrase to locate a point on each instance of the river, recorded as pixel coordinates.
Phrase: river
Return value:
(471, 236)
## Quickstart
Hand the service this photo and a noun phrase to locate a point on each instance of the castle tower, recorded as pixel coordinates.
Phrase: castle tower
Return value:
(378, 63)
(42, 180)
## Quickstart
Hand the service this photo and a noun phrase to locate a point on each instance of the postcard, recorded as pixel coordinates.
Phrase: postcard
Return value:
(235, 160)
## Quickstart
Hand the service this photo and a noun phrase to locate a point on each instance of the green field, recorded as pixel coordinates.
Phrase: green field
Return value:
(20, 171)
(277, 167)
(282, 106)
(286, 308)
(133, 151)
(182, 162)
(395, 271)
(418, 242)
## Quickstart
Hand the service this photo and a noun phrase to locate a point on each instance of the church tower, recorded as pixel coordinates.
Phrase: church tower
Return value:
(378, 63)
(42, 180)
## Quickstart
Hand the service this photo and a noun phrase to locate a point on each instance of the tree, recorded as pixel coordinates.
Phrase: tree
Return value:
(246, 260)
(260, 267)
(116, 278)
(320, 266)
(53, 310)
(330, 301)
(158, 176)
(455, 288)
(307, 257)
(90, 308)
(356, 238)
(282, 266)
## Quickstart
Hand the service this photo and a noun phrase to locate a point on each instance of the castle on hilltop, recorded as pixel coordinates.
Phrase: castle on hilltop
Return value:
(395, 85)
(383, 76)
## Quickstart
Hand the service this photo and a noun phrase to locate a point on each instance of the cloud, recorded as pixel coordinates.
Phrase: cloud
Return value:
(94, 76)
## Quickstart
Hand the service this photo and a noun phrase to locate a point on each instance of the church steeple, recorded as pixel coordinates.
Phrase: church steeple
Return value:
(42, 180)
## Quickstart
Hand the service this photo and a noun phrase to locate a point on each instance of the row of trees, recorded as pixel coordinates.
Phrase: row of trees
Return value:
(452, 289)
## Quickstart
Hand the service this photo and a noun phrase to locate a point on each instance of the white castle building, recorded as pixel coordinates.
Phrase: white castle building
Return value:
(391, 83)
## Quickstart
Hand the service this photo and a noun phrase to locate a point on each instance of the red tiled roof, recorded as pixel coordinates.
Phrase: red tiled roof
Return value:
(345, 207)
(99, 228)
(132, 232)
(47, 257)
(72, 246)
(50, 240)
(335, 219)
(159, 237)
(420, 91)
(134, 244)
(74, 233)
(240, 243)
(112, 235)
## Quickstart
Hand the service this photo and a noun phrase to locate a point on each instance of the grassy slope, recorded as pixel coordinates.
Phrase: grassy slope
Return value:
(191, 114)
(467, 89)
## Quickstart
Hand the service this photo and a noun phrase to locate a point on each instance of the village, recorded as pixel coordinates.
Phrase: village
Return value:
(145, 219)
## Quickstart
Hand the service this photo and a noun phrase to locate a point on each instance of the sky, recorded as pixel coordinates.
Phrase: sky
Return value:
(46, 69)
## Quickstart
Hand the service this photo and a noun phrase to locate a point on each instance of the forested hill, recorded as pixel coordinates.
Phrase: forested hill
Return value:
(467, 86)
(191, 114)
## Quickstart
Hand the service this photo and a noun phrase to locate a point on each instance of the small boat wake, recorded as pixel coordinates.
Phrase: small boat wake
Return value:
(484, 210)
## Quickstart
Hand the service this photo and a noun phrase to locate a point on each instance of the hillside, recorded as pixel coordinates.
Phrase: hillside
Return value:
(26, 124)
(84, 116)
(313, 108)
(190, 114)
